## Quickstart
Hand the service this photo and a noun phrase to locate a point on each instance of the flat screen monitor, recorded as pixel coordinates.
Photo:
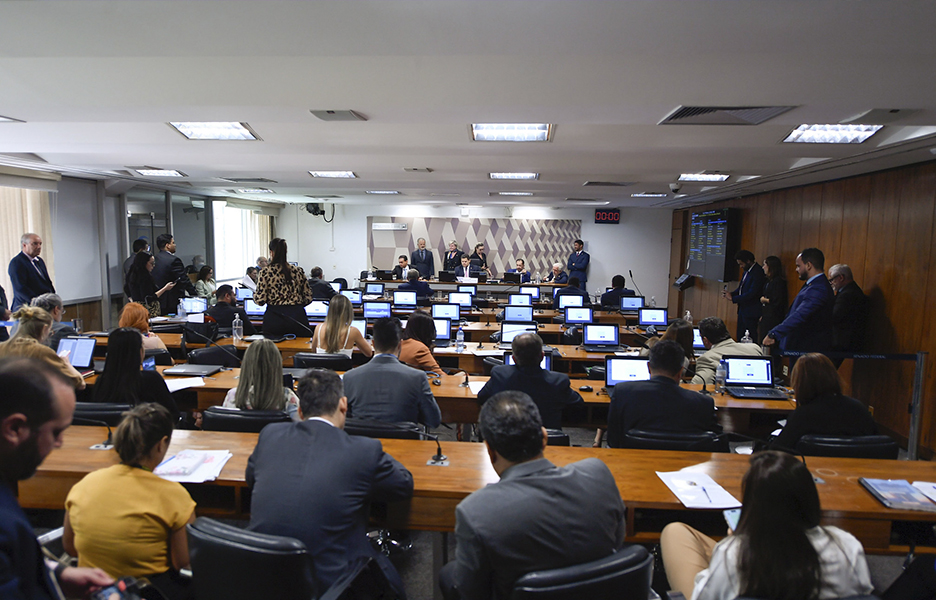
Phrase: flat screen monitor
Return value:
(374, 289)
(253, 309)
(443, 329)
(520, 299)
(619, 369)
(446, 311)
(511, 330)
(195, 305)
(601, 335)
(632, 303)
(567, 300)
(518, 313)
(360, 325)
(317, 309)
(460, 298)
(532, 290)
(353, 295)
(243, 294)
(651, 316)
(468, 289)
(376, 310)
(546, 363)
(575, 315)
(335, 286)
(80, 351)
(404, 299)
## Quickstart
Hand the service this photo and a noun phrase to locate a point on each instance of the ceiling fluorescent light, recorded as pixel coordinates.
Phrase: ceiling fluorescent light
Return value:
(514, 175)
(514, 193)
(511, 132)
(215, 130)
(833, 133)
(382, 192)
(160, 173)
(253, 191)
(334, 174)
(703, 177)
(649, 195)
(444, 195)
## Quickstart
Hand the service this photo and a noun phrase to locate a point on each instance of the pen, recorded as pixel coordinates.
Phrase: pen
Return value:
(705, 491)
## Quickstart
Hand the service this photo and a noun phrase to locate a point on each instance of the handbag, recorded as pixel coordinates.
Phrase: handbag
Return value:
(152, 305)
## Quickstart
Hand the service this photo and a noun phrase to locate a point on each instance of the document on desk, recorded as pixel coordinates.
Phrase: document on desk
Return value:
(183, 383)
(475, 386)
(492, 352)
(698, 490)
(208, 465)
(928, 488)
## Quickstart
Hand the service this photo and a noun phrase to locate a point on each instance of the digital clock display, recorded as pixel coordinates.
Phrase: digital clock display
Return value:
(607, 215)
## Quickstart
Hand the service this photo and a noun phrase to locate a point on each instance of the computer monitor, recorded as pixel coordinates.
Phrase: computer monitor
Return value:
(404, 299)
(353, 295)
(446, 311)
(443, 329)
(520, 299)
(468, 289)
(619, 369)
(651, 316)
(567, 300)
(317, 310)
(360, 325)
(373, 289)
(532, 290)
(518, 313)
(697, 343)
(195, 305)
(243, 294)
(546, 363)
(575, 315)
(460, 298)
(600, 334)
(632, 303)
(80, 351)
(253, 309)
(513, 277)
(376, 310)
(335, 286)
(511, 330)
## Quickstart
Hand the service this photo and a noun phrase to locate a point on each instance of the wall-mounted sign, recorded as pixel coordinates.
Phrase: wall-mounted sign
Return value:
(388, 226)
(607, 215)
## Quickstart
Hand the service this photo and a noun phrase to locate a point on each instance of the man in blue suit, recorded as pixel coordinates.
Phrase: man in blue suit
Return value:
(413, 284)
(28, 272)
(748, 294)
(808, 325)
(578, 263)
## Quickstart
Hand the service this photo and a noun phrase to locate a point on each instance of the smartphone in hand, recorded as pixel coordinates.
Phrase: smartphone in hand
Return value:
(732, 516)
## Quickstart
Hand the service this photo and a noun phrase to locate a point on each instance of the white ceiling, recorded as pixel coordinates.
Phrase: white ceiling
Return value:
(96, 83)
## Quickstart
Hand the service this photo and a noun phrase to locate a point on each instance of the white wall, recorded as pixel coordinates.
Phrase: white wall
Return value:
(76, 243)
(641, 242)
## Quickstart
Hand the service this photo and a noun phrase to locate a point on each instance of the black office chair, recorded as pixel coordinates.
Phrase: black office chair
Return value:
(556, 437)
(107, 412)
(162, 356)
(382, 429)
(310, 360)
(196, 333)
(644, 439)
(863, 446)
(222, 356)
(624, 575)
(218, 418)
(342, 281)
(490, 362)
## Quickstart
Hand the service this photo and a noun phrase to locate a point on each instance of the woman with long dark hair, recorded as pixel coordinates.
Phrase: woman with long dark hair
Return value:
(779, 551)
(206, 285)
(284, 289)
(418, 340)
(774, 299)
(123, 381)
(141, 287)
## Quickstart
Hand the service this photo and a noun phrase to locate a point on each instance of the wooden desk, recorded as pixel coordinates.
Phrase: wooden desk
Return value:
(439, 489)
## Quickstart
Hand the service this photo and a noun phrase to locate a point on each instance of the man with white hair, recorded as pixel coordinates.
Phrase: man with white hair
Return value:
(28, 272)
(52, 304)
(850, 312)
(557, 275)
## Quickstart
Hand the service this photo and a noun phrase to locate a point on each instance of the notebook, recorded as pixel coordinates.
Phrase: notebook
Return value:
(443, 329)
(374, 289)
(566, 300)
(189, 370)
(317, 310)
(195, 305)
(376, 310)
(446, 311)
(751, 377)
(631, 304)
(619, 369)
(512, 277)
(335, 286)
(511, 330)
(520, 299)
(468, 289)
(546, 363)
(460, 298)
(353, 295)
(533, 291)
(601, 337)
(252, 309)
(518, 313)
(360, 325)
(243, 294)
(405, 300)
(80, 353)
(577, 315)
(651, 316)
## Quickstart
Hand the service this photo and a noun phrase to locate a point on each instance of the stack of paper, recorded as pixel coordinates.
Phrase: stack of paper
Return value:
(698, 490)
(207, 465)
(183, 383)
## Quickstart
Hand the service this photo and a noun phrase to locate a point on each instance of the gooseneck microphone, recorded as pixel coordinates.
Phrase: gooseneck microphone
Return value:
(631, 273)
(108, 443)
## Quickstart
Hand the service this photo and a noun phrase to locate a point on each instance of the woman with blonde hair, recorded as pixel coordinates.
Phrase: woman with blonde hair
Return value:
(35, 325)
(260, 385)
(136, 316)
(336, 335)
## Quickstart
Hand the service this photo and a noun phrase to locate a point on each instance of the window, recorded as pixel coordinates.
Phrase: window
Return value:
(240, 237)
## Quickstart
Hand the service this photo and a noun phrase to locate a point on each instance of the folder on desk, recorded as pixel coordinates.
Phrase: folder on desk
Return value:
(897, 493)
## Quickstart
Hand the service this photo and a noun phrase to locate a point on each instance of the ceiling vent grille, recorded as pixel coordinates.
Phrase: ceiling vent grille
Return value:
(247, 179)
(723, 115)
(338, 115)
(608, 183)
(583, 200)
(323, 196)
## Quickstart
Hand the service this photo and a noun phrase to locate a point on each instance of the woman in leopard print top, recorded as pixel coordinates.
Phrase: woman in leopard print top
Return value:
(285, 290)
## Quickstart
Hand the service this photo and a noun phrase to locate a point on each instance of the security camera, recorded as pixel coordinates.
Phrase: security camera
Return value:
(675, 187)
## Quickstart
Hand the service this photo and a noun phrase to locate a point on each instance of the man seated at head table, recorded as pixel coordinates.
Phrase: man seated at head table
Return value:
(659, 404)
(538, 516)
(718, 343)
(557, 275)
(314, 482)
(384, 389)
(521, 268)
(467, 269)
(226, 308)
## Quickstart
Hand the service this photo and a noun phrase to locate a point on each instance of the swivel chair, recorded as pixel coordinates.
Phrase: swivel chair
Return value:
(862, 446)
(706, 441)
(222, 356)
(162, 356)
(624, 575)
(106, 412)
(310, 360)
(219, 418)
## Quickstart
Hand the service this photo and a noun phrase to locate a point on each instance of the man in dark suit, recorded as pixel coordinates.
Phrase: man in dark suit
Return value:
(850, 311)
(413, 284)
(224, 310)
(571, 290)
(466, 269)
(521, 268)
(659, 404)
(52, 304)
(170, 268)
(422, 259)
(538, 516)
(402, 269)
(578, 263)
(321, 289)
(748, 294)
(551, 392)
(139, 245)
(35, 408)
(314, 482)
(557, 275)
(384, 389)
(28, 272)
(808, 325)
(612, 299)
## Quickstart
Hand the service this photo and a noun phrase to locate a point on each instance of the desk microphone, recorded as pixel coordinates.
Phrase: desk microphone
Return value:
(439, 457)
(465, 382)
(631, 273)
(108, 443)
(209, 340)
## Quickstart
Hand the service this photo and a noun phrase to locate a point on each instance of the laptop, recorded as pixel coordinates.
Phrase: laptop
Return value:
(195, 305)
(189, 370)
(335, 286)
(566, 300)
(443, 329)
(461, 298)
(512, 277)
(317, 310)
(619, 369)
(518, 313)
(376, 310)
(651, 316)
(353, 295)
(546, 363)
(532, 290)
(374, 289)
(80, 353)
(578, 315)
(482, 277)
(384, 275)
(631, 304)
(520, 299)
(243, 294)
(361, 326)
(751, 377)
(446, 276)
(405, 300)
(697, 344)
(511, 330)
(468, 289)
(252, 309)
(601, 338)
(446, 311)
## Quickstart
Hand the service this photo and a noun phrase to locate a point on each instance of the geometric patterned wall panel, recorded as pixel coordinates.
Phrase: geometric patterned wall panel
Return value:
(539, 242)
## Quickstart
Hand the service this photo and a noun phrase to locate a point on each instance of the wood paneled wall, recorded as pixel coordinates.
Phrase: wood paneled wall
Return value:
(881, 225)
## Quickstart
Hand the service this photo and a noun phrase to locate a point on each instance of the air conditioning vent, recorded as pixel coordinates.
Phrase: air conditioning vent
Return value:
(247, 179)
(723, 115)
(608, 183)
(583, 200)
(417, 169)
(338, 115)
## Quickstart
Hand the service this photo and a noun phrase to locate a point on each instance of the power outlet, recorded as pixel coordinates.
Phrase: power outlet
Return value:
(786, 370)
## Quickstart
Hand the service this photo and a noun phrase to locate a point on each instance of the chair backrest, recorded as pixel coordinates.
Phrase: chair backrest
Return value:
(862, 446)
(489, 362)
(382, 429)
(645, 439)
(107, 412)
(231, 563)
(218, 418)
(161, 355)
(195, 333)
(223, 356)
(556, 437)
(310, 360)
(624, 575)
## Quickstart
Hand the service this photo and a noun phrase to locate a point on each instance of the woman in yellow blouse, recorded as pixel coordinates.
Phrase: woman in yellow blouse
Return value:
(284, 289)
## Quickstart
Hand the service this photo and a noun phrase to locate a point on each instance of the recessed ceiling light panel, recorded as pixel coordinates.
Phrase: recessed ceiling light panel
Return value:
(649, 195)
(703, 177)
(512, 193)
(832, 133)
(511, 132)
(215, 130)
(514, 175)
(253, 191)
(334, 174)
(160, 173)
(383, 192)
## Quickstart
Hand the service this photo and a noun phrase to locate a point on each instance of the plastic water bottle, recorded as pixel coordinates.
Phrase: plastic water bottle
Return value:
(180, 311)
(460, 340)
(747, 337)
(652, 301)
(238, 326)
(688, 317)
(538, 279)
(720, 373)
